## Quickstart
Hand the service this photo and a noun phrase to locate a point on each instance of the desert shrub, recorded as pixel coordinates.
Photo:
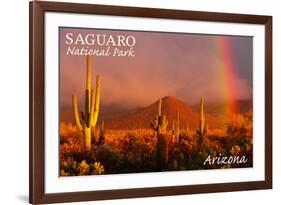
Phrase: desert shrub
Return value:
(240, 136)
(70, 167)
(110, 157)
(241, 125)
(73, 146)
(66, 130)
(126, 154)
(132, 151)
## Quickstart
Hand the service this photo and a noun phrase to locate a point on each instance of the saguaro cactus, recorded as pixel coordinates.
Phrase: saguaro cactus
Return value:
(160, 121)
(203, 127)
(162, 151)
(186, 127)
(102, 134)
(178, 126)
(160, 127)
(173, 130)
(92, 102)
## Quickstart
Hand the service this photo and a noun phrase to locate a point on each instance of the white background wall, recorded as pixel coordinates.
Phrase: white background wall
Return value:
(14, 100)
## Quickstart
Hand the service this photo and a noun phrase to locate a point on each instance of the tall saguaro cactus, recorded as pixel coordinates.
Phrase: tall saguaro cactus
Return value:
(92, 102)
(160, 127)
(176, 128)
(173, 130)
(160, 121)
(102, 134)
(203, 127)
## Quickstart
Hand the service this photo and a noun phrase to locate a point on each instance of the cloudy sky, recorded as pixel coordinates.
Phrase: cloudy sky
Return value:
(181, 65)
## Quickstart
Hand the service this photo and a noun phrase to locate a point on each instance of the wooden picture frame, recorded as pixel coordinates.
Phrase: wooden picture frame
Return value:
(37, 10)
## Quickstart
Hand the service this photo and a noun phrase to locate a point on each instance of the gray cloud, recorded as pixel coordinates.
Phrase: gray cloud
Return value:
(182, 65)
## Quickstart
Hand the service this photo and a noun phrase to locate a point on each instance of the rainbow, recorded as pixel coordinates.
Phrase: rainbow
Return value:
(226, 73)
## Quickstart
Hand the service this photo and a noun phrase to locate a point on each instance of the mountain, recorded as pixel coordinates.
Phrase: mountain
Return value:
(170, 107)
(120, 118)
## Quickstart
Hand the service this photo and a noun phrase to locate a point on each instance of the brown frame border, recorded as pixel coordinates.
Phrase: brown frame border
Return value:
(36, 101)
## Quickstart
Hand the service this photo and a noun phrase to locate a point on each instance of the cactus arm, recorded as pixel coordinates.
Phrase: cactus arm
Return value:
(91, 114)
(154, 124)
(75, 111)
(88, 90)
(203, 127)
(165, 123)
(202, 115)
(156, 120)
(178, 120)
(95, 104)
(178, 124)
(173, 127)
(87, 106)
(206, 127)
(102, 125)
(160, 121)
(89, 65)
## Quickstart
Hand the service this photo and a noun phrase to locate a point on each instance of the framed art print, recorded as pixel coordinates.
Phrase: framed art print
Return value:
(139, 102)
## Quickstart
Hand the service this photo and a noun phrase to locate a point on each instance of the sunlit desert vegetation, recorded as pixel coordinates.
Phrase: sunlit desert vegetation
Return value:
(132, 151)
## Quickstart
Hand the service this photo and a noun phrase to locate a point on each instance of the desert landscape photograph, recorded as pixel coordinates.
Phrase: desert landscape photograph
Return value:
(137, 102)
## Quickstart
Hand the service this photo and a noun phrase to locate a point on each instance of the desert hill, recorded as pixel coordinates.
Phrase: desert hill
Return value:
(170, 107)
(120, 118)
